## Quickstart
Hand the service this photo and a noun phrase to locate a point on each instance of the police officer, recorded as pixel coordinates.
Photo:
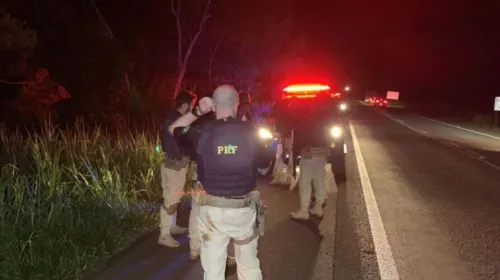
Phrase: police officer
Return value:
(173, 179)
(245, 107)
(284, 113)
(312, 143)
(244, 110)
(228, 153)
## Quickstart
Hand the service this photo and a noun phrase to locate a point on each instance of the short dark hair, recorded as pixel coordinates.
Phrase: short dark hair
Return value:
(184, 97)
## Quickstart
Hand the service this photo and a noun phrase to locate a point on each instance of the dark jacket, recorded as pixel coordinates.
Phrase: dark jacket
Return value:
(171, 148)
(245, 110)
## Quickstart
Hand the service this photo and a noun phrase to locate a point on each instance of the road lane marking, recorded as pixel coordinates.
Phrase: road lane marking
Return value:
(386, 265)
(472, 153)
(459, 127)
(457, 147)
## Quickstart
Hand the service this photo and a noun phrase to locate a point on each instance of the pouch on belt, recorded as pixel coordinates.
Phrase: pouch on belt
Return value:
(261, 208)
(250, 200)
(176, 164)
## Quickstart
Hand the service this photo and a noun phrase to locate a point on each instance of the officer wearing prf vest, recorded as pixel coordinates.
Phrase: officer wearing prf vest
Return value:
(244, 114)
(228, 153)
(173, 178)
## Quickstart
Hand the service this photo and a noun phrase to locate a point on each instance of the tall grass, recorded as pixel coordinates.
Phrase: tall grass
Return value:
(484, 121)
(68, 199)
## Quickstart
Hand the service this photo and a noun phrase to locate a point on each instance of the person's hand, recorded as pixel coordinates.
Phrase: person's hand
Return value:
(205, 105)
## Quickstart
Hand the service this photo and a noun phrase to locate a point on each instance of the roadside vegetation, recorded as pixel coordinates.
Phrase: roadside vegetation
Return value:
(70, 199)
(486, 121)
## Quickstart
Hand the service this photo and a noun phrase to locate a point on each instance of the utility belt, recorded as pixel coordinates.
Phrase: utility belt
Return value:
(251, 200)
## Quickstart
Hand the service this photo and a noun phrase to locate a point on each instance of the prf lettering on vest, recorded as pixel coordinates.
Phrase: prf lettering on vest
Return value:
(226, 150)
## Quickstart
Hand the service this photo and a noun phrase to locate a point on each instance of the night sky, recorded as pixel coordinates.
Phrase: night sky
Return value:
(444, 49)
(425, 48)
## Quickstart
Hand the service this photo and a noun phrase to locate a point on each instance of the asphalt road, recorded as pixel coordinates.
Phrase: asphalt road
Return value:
(289, 250)
(435, 212)
(477, 143)
(414, 207)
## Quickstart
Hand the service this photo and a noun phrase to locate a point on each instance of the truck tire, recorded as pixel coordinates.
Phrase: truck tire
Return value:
(338, 169)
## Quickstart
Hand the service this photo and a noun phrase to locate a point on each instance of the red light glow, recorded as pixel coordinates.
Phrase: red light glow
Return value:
(306, 88)
(288, 96)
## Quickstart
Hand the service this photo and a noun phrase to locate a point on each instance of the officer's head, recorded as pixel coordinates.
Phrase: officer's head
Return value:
(185, 101)
(226, 101)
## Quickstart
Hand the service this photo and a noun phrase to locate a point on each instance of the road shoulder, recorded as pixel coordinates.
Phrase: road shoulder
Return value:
(324, 267)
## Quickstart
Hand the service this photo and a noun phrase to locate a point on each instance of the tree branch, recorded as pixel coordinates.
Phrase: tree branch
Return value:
(176, 11)
(185, 59)
(213, 52)
(111, 36)
(14, 83)
(101, 18)
(203, 20)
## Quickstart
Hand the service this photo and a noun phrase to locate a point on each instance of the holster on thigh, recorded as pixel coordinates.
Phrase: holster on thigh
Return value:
(170, 209)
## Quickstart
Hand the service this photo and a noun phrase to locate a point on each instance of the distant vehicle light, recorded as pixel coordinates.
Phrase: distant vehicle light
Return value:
(343, 107)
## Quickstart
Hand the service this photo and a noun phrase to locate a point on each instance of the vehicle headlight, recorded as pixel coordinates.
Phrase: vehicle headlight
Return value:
(264, 133)
(336, 132)
(343, 107)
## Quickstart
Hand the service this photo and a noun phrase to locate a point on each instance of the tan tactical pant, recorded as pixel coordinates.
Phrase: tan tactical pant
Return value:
(312, 172)
(173, 183)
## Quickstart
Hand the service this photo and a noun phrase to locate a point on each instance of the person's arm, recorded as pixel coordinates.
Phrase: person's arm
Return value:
(186, 137)
(184, 121)
(206, 105)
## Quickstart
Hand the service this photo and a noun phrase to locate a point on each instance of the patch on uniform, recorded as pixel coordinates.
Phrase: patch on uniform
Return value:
(227, 149)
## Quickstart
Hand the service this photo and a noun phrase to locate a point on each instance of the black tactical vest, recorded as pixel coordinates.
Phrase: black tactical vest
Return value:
(227, 152)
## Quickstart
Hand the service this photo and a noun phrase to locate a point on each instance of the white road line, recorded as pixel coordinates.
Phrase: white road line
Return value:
(423, 131)
(459, 127)
(387, 266)
(464, 150)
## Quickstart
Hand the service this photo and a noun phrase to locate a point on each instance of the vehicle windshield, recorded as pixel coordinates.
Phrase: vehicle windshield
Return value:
(307, 102)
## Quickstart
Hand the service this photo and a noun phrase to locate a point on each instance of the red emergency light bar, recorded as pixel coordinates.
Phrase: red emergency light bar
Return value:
(306, 88)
